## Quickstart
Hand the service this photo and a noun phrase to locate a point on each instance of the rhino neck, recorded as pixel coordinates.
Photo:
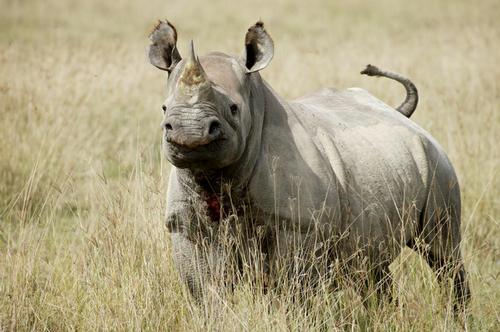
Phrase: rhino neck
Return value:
(241, 172)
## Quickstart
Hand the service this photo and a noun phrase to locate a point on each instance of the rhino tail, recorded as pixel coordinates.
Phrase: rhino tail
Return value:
(410, 103)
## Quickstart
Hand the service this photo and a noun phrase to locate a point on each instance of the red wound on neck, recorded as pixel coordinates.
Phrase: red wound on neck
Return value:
(213, 206)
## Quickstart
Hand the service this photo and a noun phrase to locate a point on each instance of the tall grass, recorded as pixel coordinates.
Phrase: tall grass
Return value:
(82, 181)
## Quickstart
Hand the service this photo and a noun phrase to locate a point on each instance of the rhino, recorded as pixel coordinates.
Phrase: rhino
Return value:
(336, 167)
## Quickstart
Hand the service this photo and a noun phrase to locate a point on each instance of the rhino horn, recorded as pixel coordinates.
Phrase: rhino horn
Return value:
(193, 74)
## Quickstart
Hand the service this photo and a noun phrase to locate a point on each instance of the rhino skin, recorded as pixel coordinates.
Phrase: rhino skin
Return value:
(335, 166)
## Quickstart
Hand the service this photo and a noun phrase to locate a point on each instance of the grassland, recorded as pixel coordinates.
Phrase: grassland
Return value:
(82, 181)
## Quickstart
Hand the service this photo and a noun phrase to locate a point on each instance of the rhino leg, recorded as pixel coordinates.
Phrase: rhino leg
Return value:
(198, 264)
(190, 264)
(453, 267)
(440, 234)
(376, 283)
(296, 256)
(383, 282)
(207, 266)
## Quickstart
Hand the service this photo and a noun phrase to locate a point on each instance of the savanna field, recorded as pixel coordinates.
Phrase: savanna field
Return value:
(83, 244)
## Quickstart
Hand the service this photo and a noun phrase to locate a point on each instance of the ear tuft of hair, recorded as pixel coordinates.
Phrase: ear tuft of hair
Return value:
(155, 27)
(158, 26)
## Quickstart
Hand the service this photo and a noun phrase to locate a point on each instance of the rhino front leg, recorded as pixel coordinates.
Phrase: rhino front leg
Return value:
(202, 266)
(201, 262)
(190, 263)
(378, 283)
(187, 256)
(298, 257)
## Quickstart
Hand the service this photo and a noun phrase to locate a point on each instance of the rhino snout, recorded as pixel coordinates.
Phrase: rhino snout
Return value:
(193, 133)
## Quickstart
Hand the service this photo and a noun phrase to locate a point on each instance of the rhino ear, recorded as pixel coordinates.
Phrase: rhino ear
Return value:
(259, 48)
(163, 52)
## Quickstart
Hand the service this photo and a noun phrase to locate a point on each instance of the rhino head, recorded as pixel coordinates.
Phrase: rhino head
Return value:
(208, 112)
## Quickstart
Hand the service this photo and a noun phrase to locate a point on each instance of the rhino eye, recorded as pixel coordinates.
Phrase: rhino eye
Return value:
(234, 109)
(164, 108)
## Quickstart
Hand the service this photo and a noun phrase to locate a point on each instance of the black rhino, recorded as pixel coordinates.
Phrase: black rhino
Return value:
(335, 164)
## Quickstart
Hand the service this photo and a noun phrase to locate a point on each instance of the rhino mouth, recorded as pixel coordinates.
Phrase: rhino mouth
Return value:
(201, 156)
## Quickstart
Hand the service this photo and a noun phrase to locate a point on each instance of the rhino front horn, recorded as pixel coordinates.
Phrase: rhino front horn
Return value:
(193, 73)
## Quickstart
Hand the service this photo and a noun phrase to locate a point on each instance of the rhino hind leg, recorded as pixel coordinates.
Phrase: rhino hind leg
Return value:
(453, 268)
(449, 268)
(439, 244)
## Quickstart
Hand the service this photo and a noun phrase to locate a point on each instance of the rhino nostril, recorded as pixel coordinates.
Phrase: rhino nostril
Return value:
(168, 126)
(214, 128)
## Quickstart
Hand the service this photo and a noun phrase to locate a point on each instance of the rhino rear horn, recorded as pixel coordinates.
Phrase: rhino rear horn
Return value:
(163, 52)
(259, 48)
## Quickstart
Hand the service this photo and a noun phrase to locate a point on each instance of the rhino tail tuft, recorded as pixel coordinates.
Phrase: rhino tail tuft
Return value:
(371, 70)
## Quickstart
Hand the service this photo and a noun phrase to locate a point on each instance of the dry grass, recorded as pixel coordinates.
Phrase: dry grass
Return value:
(82, 182)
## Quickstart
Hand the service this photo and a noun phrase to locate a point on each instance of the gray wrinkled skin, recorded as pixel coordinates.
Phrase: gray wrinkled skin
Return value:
(335, 164)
